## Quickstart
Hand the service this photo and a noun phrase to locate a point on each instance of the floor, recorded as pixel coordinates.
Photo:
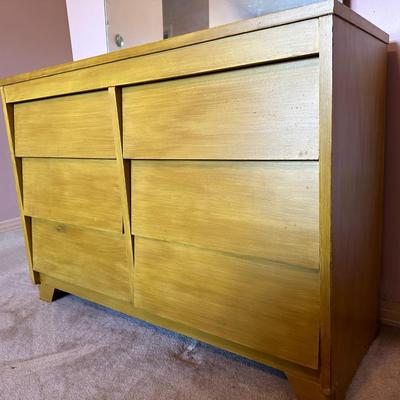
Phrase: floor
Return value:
(74, 349)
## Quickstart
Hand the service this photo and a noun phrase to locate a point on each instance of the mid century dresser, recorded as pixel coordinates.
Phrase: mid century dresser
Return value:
(225, 184)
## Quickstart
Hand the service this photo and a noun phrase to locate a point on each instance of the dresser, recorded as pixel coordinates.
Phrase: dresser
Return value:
(224, 184)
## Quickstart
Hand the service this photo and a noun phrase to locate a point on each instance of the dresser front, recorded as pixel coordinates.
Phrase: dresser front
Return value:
(224, 200)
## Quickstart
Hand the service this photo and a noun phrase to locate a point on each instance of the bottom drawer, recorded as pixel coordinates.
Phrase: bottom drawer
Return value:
(269, 307)
(88, 258)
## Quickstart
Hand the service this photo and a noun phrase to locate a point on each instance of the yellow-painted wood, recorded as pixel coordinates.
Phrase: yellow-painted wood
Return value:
(244, 114)
(306, 389)
(88, 258)
(129, 309)
(82, 192)
(46, 292)
(269, 307)
(124, 178)
(390, 313)
(357, 196)
(325, 196)
(228, 52)
(219, 122)
(16, 163)
(66, 126)
(270, 20)
(265, 210)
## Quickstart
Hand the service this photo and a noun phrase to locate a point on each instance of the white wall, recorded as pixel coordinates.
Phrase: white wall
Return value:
(87, 25)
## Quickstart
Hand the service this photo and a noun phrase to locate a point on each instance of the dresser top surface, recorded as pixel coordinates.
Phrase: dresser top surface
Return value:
(315, 10)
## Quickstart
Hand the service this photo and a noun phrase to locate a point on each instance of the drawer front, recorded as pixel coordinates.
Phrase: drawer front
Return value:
(237, 49)
(88, 258)
(68, 126)
(267, 112)
(81, 192)
(267, 210)
(268, 307)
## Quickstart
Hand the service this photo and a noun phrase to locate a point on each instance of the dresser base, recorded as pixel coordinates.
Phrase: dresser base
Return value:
(306, 389)
(304, 381)
(47, 292)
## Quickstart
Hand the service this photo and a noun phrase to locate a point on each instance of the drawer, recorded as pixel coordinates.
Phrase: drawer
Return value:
(268, 307)
(68, 126)
(81, 192)
(88, 258)
(262, 209)
(267, 112)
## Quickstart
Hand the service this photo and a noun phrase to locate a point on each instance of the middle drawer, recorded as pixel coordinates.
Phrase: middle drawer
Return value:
(265, 210)
(73, 191)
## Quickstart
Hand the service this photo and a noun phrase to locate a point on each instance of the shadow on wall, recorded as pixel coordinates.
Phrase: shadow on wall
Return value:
(391, 250)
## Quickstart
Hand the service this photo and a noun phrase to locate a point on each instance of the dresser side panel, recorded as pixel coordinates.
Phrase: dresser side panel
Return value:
(359, 76)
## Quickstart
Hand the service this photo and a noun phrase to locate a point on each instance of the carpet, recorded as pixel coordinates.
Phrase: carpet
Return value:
(74, 349)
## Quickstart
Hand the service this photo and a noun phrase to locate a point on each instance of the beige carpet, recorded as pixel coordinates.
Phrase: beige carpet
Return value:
(74, 349)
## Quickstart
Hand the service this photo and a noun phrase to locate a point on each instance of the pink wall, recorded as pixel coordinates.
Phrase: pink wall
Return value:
(138, 22)
(386, 15)
(33, 34)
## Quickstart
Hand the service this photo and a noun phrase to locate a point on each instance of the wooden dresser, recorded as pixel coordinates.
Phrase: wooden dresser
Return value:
(225, 184)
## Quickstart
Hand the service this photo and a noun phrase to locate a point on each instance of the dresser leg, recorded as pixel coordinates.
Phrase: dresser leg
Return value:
(46, 292)
(307, 389)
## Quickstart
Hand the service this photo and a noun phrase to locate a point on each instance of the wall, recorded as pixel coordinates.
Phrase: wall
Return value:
(226, 11)
(137, 22)
(33, 34)
(87, 25)
(181, 17)
(385, 14)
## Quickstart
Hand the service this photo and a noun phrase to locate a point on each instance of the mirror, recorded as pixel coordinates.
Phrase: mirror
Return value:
(133, 22)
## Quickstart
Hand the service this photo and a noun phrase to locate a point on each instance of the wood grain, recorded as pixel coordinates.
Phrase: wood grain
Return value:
(325, 197)
(266, 210)
(66, 126)
(115, 105)
(88, 258)
(290, 41)
(350, 16)
(306, 389)
(192, 38)
(357, 198)
(327, 7)
(390, 313)
(231, 216)
(46, 292)
(16, 163)
(129, 309)
(82, 192)
(268, 307)
(268, 112)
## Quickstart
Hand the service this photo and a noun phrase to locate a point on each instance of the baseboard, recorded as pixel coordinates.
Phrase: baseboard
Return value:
(10, 224)
(390, 313)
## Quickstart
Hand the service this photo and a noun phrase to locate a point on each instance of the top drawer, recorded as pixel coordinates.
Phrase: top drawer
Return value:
(261, 113)
(68, 126)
